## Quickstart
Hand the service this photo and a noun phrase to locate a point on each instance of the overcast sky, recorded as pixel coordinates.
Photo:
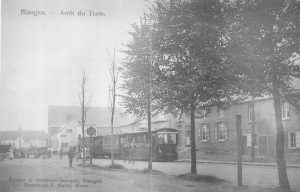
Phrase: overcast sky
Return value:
(42, 56)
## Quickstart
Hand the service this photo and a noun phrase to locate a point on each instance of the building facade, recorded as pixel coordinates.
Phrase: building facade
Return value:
(216, 132)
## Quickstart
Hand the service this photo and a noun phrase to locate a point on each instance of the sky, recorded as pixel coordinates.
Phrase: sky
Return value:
(42, 55)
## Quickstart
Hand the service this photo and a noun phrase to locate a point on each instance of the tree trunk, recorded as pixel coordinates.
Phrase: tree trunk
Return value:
(149, 130)
(282, 173)
(83, 146)
(193, 143)
(112, 123)
(83, 135)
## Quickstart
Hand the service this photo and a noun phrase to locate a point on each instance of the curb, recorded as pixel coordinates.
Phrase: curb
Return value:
(244, 163)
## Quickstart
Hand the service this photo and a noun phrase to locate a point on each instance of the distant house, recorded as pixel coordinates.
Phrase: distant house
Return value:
(24, 139)
(64, 125)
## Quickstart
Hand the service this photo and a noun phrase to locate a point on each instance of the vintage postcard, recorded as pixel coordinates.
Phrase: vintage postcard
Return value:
(149, 95)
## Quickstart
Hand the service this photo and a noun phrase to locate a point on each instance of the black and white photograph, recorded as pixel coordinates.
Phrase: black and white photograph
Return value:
(150, 96)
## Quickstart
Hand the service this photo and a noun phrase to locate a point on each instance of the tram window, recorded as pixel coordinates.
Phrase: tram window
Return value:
(169, 138)
(160, 138)
(141, 139)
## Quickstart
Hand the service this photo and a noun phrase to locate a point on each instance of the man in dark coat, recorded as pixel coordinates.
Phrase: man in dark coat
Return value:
(126, 152)
(71, 156)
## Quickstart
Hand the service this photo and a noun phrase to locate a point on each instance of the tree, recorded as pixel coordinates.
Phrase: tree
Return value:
(266, 36)
(192, 72)
(139, 80)
(112, 99)
(85, 105)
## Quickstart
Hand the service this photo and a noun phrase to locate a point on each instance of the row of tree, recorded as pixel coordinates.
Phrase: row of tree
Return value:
(186, 56)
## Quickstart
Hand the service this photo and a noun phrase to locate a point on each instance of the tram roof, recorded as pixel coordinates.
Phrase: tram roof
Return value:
(170, 130)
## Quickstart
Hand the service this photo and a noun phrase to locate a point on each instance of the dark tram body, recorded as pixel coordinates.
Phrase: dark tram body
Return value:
(164, 145)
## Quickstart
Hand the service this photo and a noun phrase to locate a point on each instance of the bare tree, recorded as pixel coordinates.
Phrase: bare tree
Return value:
(85, 105)
(112, 98)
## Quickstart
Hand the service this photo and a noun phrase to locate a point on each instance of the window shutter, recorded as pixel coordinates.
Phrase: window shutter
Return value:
(297, 139)
(226, 130)
(208, 132)
(216, 131)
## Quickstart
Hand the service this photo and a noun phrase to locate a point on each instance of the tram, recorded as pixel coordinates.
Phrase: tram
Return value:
(164, 144)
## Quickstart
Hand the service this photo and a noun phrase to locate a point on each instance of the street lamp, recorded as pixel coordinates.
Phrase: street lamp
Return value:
(91, 131)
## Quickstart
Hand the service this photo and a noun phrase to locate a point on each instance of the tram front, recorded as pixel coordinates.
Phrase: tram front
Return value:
(166, 145)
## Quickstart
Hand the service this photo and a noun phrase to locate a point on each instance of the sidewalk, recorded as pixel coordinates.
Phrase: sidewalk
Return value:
(244, 163)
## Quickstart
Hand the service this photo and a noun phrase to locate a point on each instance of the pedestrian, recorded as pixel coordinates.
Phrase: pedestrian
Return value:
(126, 152)
(11, 155)
(61, 153)
(132, 151)
(71, 156)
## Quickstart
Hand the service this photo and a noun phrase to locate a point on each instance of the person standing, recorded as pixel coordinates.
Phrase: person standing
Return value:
(132, 151)
(126, 152)
(60, 153)
(71, 156)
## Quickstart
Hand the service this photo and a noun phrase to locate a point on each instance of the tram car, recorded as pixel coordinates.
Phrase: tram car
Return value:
(164, 145)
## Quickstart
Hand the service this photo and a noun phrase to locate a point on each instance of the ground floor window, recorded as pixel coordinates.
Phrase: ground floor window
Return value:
(249, 140)
(221, 131)
(294, 140)
(188, 135)
(204, 132)
(64, 145)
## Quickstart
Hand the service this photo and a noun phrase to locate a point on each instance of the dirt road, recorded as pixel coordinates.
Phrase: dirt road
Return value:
(54, 175)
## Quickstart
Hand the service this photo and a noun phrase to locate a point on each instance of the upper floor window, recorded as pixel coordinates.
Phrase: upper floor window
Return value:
(221, 132)
(69, 131)
(220, 112)
(204, 132)
(285, 112)
(251, 116)
(203, 113)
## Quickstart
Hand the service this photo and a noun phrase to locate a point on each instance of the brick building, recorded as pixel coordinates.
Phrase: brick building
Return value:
(216, 132)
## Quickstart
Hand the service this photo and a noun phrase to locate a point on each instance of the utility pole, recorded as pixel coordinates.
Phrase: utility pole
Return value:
(240, 147)
(253, 126)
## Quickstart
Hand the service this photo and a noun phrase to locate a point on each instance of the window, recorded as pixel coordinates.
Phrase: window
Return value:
(292, 140)
(220, 112)
(249, 140)
(64, 145)
(285, 113)
(204, 132)
(188, 135)
(203, 113)
(63, 135)
(221, 131)
(250, 113)
(69, 131)
(142, 138)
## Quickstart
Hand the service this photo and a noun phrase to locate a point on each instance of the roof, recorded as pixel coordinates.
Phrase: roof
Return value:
(59, 115)
(26, 135)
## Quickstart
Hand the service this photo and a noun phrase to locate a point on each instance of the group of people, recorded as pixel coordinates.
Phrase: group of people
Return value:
(128, 151)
